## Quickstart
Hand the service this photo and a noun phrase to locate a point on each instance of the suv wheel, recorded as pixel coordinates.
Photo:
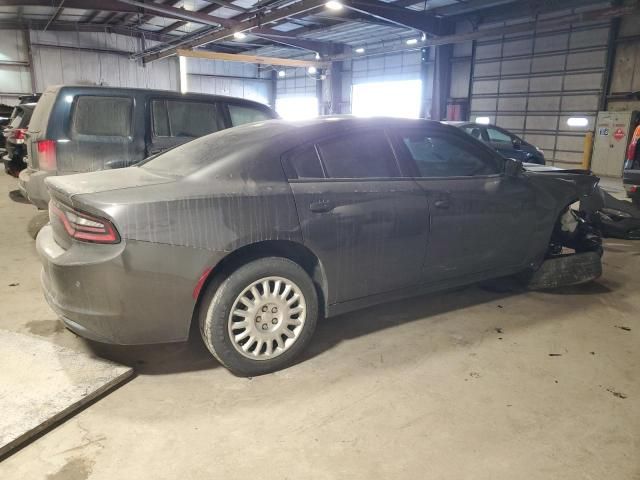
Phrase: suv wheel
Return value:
(260, 317)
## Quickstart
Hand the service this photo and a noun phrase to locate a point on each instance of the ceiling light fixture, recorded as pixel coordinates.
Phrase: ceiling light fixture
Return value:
(282, 74)
(334, 5)
(312, 70)
(360, 50)
(412, 41)
(239, 35)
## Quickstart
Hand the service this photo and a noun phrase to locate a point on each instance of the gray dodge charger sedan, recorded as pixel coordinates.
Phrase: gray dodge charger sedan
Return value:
(254, 232)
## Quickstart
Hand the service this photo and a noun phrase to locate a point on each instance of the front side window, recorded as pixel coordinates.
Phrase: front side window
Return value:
(102, 116)
(243, 114)
(475, 132)
(177, 118)
(359, 155)
(496, 135)
(444, 156)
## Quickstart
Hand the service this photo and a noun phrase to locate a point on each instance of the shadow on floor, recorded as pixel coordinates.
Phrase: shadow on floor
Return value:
(17, 197)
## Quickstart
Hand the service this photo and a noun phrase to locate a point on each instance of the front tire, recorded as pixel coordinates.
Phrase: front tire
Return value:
(260, 317)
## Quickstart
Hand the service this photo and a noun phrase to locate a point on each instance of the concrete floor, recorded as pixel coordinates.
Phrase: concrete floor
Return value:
(467, 384)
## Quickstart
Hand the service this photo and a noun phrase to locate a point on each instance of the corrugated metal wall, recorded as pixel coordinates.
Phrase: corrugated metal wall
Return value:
(626, 68)
(531, 83)
(14, 78)
(57, 59)
(229, 78)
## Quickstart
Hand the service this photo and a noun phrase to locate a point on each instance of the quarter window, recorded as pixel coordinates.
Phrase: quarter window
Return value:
(359, 155)
(102, 116)
(176, 118)
(441, 156)
(241, 115)
(305, 163)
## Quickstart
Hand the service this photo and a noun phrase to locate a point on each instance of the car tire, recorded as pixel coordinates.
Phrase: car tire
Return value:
(282, 316)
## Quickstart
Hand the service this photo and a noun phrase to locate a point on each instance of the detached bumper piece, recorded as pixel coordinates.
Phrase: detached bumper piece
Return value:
(566, 270)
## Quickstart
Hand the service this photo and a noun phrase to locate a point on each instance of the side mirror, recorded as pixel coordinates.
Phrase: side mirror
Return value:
(517, 143)
(513, 167)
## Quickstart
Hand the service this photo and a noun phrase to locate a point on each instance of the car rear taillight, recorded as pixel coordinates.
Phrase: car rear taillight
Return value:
(631, 151)
(82, 226)
(19, 135)
(47, 154)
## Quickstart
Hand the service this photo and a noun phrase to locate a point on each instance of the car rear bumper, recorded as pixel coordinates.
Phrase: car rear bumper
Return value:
(31, 184)
(128, 293)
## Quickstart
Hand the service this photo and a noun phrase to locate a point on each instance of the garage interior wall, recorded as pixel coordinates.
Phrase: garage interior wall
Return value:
(532, 82)
(229, 78)
(86, 58)
(625, 81)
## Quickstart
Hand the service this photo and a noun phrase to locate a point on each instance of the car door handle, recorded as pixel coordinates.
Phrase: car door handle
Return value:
(321, 206)
(441, 204)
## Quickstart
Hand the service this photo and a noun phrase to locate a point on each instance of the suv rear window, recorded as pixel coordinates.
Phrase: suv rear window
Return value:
(102, 116)
(177, 118)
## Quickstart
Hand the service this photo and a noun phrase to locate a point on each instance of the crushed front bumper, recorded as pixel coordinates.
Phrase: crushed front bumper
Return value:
(566, 270)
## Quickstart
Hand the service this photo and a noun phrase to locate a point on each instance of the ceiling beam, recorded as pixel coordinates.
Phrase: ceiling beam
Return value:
(555, 23)
(255, 59)
(257, 21)
(181, 13)
(227, 4)
(104, 5)
(397, 15)
(182, 23)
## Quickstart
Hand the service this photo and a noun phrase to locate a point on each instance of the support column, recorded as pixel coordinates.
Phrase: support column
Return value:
(425, 109)
(441, 81)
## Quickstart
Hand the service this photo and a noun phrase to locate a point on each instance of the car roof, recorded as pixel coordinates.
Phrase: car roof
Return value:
(148, 91)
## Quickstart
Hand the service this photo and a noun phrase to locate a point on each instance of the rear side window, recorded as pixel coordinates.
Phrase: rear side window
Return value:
(102, 116)
(498, 136)
(359, 155)
(305, 163)
(177, 118)
(243, 114)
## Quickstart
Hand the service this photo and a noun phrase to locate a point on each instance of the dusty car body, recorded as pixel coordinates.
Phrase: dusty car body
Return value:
(340, 205)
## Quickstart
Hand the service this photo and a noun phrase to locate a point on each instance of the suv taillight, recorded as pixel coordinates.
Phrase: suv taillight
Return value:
(47, 154)
(82, 226)
(18, 134)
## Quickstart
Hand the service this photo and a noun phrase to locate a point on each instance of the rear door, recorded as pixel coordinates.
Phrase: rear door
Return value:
(367, 224)
(480, 220)
(172, 122)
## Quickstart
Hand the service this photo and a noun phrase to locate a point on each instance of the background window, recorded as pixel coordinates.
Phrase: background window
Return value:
(305, 163)
(102, 116)
(359, 155)
(297, 108)
(440, 157)
(176, 118)
(241, 115)
(394, 99)
(498, 136)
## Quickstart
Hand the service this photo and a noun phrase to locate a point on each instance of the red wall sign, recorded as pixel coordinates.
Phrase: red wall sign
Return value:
(618, 134)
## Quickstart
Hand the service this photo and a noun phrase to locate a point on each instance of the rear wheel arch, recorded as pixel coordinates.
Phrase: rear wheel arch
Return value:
(288, 249)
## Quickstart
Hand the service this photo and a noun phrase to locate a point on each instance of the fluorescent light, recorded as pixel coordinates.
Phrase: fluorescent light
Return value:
(334, 5)
(317, 56)
(483, 120)
(412, 41)
(577, 121)
(239, 35)
(360, 50)
(282, 74)
(312, 70)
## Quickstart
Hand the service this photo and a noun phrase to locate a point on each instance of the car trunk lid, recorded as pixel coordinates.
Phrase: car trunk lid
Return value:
(66, 190)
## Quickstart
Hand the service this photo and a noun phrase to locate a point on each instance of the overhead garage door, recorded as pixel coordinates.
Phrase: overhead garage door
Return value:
(532, 83)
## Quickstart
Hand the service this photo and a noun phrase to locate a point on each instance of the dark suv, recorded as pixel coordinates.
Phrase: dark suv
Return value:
(14, 135)
(83, 128)
(503, 141)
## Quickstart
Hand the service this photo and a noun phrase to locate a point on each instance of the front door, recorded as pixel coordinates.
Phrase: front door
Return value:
(480, 220)
(367, 224)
